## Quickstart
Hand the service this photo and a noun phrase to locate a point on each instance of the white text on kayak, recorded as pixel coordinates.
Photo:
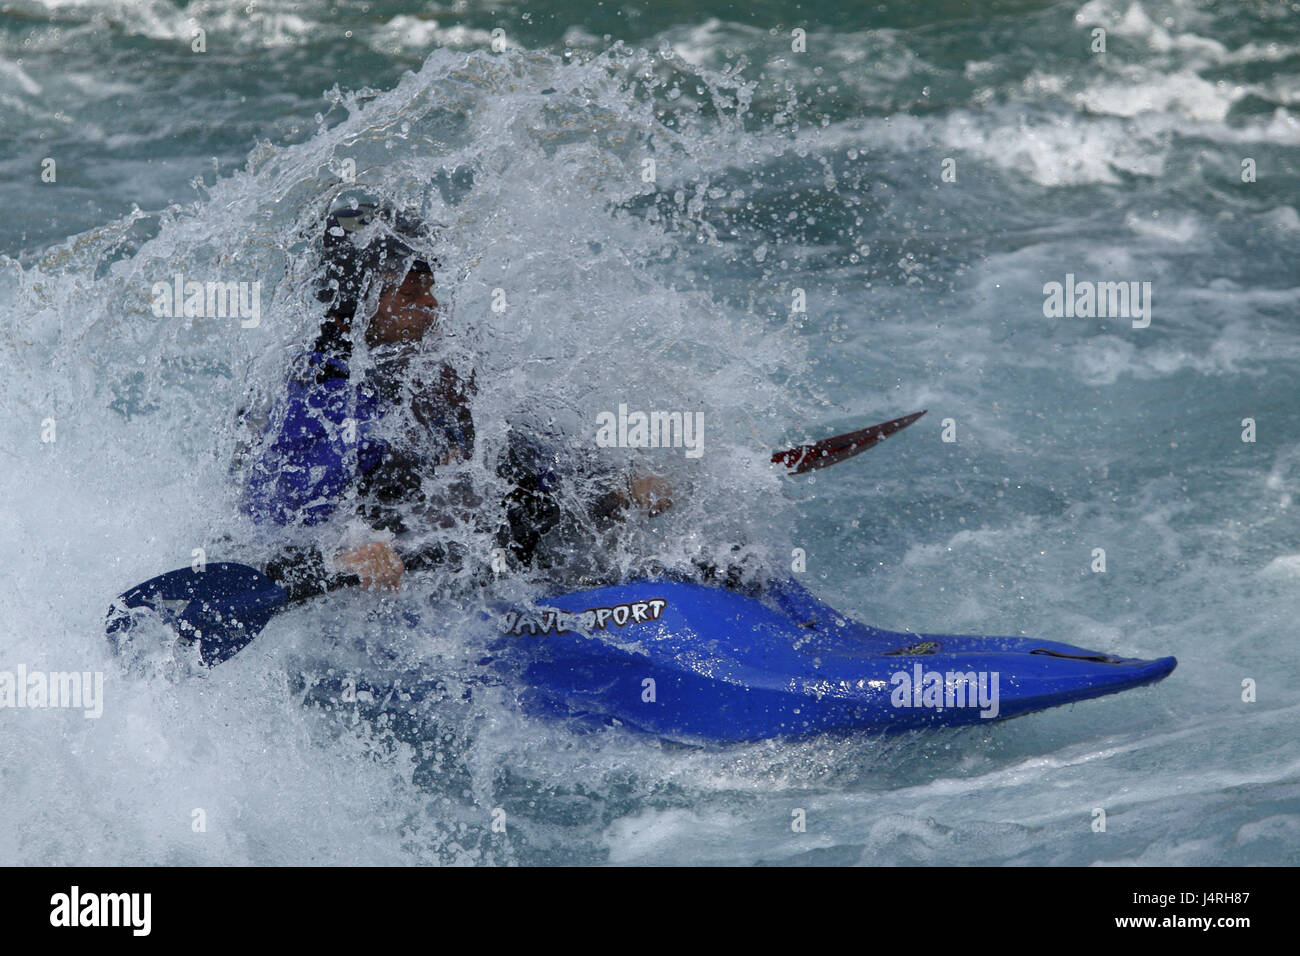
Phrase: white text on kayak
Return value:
(1098, 300)
(592, 619)
(652, 430)
(81, 690)
(938, 691)
(191, 299)
(102, 909)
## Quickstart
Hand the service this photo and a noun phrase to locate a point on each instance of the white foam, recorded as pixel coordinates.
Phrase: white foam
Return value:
(1284, 566)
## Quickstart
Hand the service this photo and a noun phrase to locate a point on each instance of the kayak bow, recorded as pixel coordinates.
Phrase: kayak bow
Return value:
(696, 663)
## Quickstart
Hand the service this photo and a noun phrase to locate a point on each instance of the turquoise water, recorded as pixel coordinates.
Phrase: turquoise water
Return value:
(775, 170)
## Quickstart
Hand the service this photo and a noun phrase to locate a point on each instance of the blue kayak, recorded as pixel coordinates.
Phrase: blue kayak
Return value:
(688, 662)
(695, 663)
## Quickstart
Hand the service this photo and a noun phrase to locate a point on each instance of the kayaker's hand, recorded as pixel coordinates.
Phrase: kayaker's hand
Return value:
(377, 564)
(651, 492)
(451, 456)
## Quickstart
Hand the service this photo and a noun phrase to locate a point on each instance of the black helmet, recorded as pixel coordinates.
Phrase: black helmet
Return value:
(350, 262)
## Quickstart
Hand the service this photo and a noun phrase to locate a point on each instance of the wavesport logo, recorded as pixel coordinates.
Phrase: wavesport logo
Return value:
(83, 690)
(584, 622)
(653, 430)
(954, 689)
(1098, 300)
(191, 299)
(74, 909)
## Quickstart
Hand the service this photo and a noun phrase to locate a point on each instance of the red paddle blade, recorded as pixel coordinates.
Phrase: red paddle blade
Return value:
(830, 451)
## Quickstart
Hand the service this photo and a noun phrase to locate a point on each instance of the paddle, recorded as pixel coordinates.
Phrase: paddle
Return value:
(225, 605)
(830, 451)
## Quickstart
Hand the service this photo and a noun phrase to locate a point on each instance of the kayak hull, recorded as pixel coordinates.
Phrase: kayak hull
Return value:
(694, 663)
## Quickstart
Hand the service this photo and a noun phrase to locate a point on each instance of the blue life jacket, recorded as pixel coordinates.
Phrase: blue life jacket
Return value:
(323, 440)
(316, 445)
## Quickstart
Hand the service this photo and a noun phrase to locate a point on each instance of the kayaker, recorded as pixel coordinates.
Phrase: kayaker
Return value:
(378, 437)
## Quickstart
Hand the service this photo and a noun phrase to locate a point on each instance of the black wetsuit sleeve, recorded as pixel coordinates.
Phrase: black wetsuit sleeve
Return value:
(531, 508)
(393, 485)
(302, 574)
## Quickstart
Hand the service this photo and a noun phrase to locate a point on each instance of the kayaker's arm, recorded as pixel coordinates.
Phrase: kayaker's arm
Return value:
(303, 572)
(651, 493)
(377, 564)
